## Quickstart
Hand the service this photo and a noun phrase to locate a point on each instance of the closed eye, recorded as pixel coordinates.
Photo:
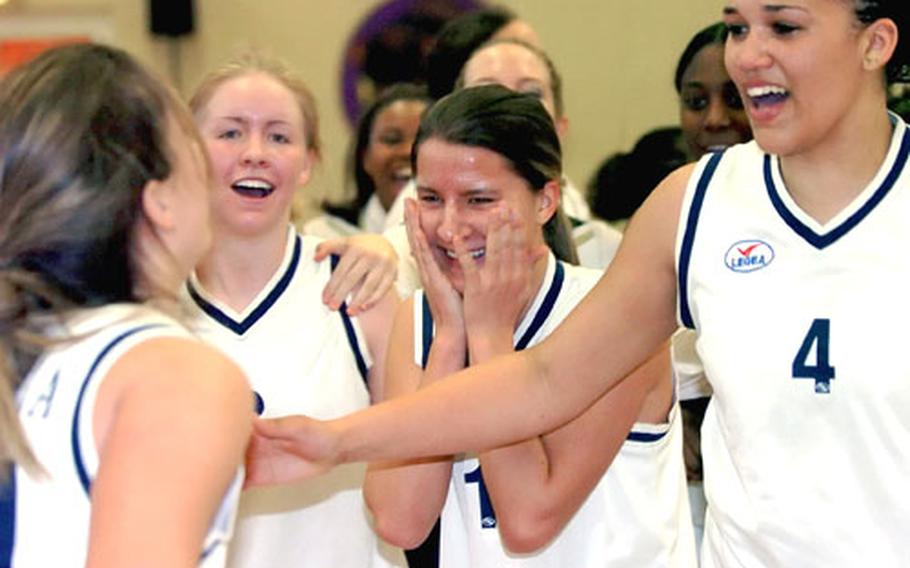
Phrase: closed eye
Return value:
(481, 200)
(427, 197)
(784, 28)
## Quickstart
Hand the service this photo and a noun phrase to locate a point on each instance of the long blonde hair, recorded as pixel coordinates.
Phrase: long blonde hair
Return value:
(81, 134)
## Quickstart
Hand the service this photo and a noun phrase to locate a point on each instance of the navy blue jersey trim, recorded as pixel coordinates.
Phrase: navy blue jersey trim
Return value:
(210, 548)
(351, 334)
(427, 321)
(8, 518)
(241, 327)
(822, 241)
(685, 253)
(646, 436)
(546, 307)
(74, 433)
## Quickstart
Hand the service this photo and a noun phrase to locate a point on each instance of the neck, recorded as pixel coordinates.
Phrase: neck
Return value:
(238, 267)
(538, 273)
(827, 178)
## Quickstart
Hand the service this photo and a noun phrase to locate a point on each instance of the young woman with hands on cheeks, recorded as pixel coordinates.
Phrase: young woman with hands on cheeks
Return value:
(486, 237)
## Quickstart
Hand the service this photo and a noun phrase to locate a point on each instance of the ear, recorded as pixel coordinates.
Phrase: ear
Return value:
(562, 128)
(548, 201)
(881, 41)
(158, 204)
(309, 159)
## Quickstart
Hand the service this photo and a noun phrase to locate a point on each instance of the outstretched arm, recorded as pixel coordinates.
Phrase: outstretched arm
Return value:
(536, 486)
(520, 395)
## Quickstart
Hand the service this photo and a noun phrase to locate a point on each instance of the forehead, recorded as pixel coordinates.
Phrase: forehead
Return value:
(707, 64)
(503, 62)
(254, 96)
(402, 110)
(773, 6)
(443, 165)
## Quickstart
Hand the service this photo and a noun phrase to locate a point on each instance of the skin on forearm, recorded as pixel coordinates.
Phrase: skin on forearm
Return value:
(406, 496)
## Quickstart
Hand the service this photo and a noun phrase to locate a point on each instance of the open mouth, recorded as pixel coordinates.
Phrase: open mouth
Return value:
(767, 95)
(401, 175)
(255, 188)
(477, 253)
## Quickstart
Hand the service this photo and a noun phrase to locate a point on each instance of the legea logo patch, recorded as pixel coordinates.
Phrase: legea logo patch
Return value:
(749, 256)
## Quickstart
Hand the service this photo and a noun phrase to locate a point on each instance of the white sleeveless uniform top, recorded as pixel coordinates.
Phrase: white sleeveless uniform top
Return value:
(636, 516)
(806, 443)
(44, 521)
(301, 358)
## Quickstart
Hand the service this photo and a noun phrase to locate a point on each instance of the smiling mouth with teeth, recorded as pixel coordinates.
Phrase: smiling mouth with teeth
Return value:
(474, 253)
(253, 188)
(767, 95)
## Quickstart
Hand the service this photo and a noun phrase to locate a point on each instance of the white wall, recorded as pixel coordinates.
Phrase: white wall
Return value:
(617, 58)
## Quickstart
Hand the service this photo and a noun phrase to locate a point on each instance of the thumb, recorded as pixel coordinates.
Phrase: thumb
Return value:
(330, 246)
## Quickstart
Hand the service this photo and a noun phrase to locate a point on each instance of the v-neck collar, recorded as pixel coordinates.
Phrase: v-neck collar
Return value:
(240, 323)
(822, 235)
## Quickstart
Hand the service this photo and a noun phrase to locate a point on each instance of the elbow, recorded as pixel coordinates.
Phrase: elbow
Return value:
(399, 528)
(527, 532)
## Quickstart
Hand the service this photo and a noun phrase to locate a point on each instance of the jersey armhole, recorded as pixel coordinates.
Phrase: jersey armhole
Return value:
(695, 196)
(354, 334)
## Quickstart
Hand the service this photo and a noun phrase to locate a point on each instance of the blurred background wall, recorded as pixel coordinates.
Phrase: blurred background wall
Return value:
(617, 57)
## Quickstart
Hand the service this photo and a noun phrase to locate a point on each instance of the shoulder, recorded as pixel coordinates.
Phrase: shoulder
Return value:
(329, 227)
(181, 364)
(377, 320)
(163, 379)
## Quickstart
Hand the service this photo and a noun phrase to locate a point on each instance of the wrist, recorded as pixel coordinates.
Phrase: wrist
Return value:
(483, 346)
(450, 344)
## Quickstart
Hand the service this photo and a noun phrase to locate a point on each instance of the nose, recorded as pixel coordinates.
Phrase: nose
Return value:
(449, 225)
(748, 53)
(402, 149)
(717, 116)
(254, 154)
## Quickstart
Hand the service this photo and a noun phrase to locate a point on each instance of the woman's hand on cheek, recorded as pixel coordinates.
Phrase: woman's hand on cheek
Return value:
(445, 301)
(498, 285)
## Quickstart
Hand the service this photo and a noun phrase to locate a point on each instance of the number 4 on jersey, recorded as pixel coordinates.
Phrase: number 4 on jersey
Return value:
(822, 372)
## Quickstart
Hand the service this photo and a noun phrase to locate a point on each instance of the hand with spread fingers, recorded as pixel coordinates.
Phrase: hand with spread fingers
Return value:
(499, 283)
(445, 302)
(366, 270)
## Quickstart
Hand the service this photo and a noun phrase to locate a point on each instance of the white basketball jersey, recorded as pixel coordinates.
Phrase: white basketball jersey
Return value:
(636, 516)
(806, 443)
(44, 520)
(301, 358)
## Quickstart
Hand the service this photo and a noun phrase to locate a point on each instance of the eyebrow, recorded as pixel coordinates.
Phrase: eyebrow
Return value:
(243, 120)
(772, 8)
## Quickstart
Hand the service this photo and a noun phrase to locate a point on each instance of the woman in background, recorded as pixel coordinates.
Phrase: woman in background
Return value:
(379, 164)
